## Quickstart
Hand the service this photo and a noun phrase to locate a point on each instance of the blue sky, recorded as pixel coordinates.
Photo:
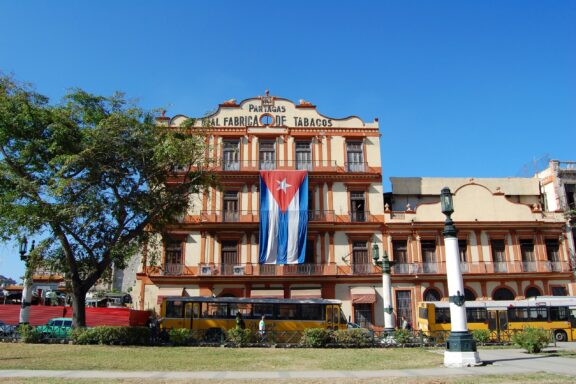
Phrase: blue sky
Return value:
(461, 88)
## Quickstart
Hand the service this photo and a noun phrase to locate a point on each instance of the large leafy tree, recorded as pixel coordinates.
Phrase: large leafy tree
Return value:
(91, 176)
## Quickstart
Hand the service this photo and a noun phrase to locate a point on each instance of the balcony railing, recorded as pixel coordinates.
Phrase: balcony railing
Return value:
(269, 165)
(311, 269)
(356, 167)
(245, 216)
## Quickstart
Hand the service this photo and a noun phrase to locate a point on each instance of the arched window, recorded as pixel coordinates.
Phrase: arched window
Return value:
(469, 295)
(432, 294)
(533, 292)
(503, 294)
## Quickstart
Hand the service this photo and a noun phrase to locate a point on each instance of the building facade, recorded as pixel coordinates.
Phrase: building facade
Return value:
(213, 249)
(510, 248)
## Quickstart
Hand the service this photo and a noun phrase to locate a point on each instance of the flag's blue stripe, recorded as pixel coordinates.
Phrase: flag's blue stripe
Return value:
(282, 237)
(264, 224)
(303, 224)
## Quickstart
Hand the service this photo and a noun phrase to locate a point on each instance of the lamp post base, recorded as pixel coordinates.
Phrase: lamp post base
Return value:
(461, 350)
(389, 331)
(461, 359)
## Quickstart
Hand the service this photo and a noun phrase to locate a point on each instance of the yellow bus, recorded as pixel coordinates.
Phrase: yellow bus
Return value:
(210, 317)
(554, 313)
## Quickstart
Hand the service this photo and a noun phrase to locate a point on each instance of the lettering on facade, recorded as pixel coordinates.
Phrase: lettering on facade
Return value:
(254, 114)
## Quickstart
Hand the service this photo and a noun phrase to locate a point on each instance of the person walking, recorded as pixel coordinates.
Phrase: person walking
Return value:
(262, 328)
(240, 321)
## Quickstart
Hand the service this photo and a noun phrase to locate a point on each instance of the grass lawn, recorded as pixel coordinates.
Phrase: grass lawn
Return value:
(90, 357)
(496, 379)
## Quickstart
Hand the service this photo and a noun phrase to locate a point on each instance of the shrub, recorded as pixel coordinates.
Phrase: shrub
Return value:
(240, 337)
(180, 336)
(531, 339)
(357, 337)
(481, 336)
(112, 335)
(29, 334)
(402, 336)
(316, 337)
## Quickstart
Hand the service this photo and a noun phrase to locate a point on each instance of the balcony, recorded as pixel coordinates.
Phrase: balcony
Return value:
(356, 167)
(219, 216)
(270, 165)
(310, 269)
(246, 269)
(481, 267)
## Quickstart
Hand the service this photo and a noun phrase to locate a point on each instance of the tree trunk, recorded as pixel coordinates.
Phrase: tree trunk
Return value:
(78, 308)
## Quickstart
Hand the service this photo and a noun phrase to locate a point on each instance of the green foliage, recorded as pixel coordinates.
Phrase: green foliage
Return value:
(240, 337)
(533, 340)
(402, 336)
(316, 337)
(89, 175)
(112, 335)
(29, 334)
(180, 336)
(358, 337)
(481, 336)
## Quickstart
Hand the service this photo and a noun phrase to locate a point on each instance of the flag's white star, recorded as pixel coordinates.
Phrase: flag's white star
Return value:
(282, 185)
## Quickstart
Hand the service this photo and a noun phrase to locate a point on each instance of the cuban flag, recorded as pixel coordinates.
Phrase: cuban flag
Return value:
(283, 216)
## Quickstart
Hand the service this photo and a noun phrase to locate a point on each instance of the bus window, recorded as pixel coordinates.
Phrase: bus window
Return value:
(423, 313)
(263, 309)
(476, 315)
(174, 309)
(442, 315)
(287, 312)
(243, 308)
(312, 312)
(559, 314)
(216, 310)
(538, 314)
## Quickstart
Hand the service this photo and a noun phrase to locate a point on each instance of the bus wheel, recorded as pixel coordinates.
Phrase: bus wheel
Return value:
(560, 336)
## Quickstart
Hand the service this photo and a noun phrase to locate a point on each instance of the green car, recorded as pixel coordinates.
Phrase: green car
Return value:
(57, 328)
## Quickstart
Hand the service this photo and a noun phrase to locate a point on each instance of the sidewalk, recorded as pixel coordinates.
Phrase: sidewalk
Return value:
(499, 362)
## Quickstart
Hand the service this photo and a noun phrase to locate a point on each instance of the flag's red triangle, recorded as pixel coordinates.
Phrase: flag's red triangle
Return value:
(283, 185)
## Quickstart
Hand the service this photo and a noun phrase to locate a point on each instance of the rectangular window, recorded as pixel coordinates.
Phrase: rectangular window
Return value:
(559, 291)
(231, 155)
(363, 315)
(360, 259)
(570, 190)
(400, 254)
(528, 258)
(357, 204)
(229, 257)
(267, 155)
(498, 255)
(428, 248)
(355, 156)
(304, 155)
(404, 306)
(173, 252)
(463, 249)
(230, 212)
(559, 314)
(553, 255)
(442, 315)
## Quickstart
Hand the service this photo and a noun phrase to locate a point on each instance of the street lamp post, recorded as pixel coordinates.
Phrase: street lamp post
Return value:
(385, 264)
(27, 289)
(460, 346)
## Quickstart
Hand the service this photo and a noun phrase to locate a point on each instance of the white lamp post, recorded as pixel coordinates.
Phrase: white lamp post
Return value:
(386, 288)
(27, 289)
(460, 346)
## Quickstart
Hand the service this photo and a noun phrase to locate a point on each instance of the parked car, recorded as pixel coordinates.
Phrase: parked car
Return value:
(6, 329)
(57, 328)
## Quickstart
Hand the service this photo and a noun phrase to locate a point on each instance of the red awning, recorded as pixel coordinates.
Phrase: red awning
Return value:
(363, 295)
